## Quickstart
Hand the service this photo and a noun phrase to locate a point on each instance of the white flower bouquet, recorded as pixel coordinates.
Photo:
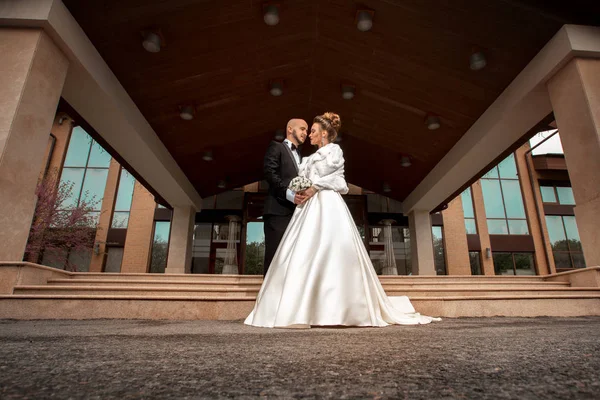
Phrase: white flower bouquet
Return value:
(299, 184)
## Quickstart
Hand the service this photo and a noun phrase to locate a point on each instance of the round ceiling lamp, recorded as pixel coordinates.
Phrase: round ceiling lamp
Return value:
(348, 92)
(405, 161)
(433, 122)
(364, 20)
(477, 61)
(207, 156)
(276, 89)
(386, 187)
(151, 42)
(279, 134)
(221, 185)
(271, 15)
(186, 113)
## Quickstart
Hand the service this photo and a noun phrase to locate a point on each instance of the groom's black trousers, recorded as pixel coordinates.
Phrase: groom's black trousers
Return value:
(275, 226)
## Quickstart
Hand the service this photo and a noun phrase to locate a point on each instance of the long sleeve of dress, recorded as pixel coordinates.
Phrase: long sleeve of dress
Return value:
(328, 172)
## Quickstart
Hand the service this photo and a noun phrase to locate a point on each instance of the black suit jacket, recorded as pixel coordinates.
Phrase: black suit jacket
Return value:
(279, 169)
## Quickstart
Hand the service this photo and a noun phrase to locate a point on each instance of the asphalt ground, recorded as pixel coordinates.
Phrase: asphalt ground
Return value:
(466, 358)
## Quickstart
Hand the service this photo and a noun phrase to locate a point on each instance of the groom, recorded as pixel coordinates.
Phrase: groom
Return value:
(280, 167)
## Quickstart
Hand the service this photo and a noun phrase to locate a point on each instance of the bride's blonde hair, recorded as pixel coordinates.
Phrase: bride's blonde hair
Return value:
(331, 123)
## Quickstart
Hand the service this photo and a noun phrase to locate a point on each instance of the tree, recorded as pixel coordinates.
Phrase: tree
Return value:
(255, 255)
(58, 230)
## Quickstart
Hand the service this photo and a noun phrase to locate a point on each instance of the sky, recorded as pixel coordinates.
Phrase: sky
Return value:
(551, 146)
(255, 232)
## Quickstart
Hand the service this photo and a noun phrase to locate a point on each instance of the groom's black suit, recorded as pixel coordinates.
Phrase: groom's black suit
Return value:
(279, 169)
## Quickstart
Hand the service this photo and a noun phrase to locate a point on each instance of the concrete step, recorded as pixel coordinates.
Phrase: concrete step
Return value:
(208, 291)
(36, 306)
(256, 283)
(169, 277)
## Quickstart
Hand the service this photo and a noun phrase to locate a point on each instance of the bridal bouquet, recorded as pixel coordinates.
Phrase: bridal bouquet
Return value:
(299, 184)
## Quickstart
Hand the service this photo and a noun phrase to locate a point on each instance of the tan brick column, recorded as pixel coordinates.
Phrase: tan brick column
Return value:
(455, 239)
(106, 213)
(32, 74)
(487, 264)
(575, 96)
(421, 243)
(179, 260)
(535, 225)
(138, 244)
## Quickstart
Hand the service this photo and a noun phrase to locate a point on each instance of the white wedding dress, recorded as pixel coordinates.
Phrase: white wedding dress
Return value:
(321, 273)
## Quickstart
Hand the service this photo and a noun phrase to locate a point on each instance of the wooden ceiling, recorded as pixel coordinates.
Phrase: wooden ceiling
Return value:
(220, 56)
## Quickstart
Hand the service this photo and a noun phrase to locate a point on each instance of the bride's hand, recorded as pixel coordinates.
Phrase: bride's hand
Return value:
(308, 193)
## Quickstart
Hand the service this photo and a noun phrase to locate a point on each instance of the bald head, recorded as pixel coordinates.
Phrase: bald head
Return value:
(296, 131)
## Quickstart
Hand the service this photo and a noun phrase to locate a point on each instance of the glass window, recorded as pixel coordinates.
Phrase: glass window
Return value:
(438, 250)
(565, 195)
(201, 248)
(125, 191)
(120, 220)
(255, 248)
(467, 203)
(160, 246)
(99, 158)
(79, 148)
(548, 194)
(74, 178)
(503, 200)
(93, 187)
(497, 227)
(565, 242)
(508, 168)
(470, 226)
(114, 259)
(475, 261)
(492, 195)
(513, 263)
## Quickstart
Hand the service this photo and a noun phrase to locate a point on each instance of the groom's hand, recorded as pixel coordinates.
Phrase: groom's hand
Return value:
(299, 198)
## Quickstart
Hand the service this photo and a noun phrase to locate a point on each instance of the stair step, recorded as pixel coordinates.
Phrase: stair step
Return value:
(236, 291)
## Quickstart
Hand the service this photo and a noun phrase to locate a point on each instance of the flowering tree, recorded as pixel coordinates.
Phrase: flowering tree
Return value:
(57, 228)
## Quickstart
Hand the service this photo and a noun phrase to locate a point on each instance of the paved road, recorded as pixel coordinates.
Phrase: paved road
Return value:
(483, 358)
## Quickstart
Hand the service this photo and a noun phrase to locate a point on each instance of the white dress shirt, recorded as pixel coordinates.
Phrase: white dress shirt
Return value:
(289, 194)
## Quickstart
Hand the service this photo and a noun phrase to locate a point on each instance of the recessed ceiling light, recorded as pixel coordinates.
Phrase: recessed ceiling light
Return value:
(477, 61)
(386, 187)
(221, 185)
(276, 89)
(364, 20)
(186, 113)
(151, 42)
(405, 161)
(207, 156)
(279, 134)
(348, 92)
(433, 122)
(271, 15)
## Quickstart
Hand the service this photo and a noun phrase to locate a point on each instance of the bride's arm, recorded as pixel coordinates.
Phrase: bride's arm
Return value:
(331, 173)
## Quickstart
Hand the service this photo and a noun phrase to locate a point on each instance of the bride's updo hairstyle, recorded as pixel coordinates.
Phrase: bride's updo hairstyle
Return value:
(331, 123)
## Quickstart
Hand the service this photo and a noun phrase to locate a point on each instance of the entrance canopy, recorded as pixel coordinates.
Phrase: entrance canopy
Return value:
(221, 58)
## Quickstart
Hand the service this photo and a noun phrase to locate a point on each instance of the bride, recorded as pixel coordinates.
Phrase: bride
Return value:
(321, 274)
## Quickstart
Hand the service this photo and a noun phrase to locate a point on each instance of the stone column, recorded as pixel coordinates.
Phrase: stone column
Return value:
(487, 263)
(231, 259)
(138, 243)
(575, 96)
(32, 74)
(421, 243)
(389, 261)
(455, 239)
(179, 260)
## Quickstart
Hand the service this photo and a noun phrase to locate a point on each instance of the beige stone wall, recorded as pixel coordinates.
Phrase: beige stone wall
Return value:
(455, 239)
(32, 74)
(138, 244)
